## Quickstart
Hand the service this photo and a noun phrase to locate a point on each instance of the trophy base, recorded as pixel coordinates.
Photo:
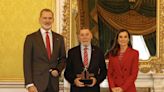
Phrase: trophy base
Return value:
(86, 81)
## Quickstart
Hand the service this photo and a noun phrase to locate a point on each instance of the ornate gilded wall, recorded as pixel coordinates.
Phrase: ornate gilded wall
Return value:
(17, 19)
(156, 64)
(20, 17)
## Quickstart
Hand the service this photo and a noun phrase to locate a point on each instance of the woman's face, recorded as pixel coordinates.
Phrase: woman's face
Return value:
(123, 39)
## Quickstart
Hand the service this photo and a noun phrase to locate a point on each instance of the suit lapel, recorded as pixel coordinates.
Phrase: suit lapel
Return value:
(125, 57)
(80, 57)
(123, 61)
(55, 44)
(92, 57)
(118, 64)
(40, 42)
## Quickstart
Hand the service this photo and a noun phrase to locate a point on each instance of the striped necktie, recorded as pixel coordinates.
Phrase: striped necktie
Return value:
(85, 57)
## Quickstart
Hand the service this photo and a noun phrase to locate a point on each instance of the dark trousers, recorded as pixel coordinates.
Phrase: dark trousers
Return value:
(49, 88)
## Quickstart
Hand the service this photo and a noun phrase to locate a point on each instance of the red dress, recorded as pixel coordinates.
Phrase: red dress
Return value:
(123, 73)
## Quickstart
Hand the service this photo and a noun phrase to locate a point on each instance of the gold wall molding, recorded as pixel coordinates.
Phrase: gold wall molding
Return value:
(66, 24)
(156, 64)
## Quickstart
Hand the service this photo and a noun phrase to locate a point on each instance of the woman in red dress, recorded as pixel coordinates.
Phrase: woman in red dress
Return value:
(123, 64)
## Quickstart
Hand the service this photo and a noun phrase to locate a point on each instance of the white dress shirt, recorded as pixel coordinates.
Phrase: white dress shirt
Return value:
(43, 32)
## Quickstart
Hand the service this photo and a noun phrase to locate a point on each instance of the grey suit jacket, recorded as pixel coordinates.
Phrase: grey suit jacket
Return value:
(36, 63)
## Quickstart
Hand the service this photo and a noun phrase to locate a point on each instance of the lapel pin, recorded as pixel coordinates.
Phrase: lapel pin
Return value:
(93, 49)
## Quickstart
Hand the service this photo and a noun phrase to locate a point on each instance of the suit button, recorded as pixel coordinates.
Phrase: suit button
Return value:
(123, 77)
(125, 69)
(115, 77)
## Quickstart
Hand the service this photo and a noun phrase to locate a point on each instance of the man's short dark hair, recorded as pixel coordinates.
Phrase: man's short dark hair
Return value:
(46, 10)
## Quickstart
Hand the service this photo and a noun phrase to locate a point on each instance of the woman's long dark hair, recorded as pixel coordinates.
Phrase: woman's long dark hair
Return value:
(116, 46)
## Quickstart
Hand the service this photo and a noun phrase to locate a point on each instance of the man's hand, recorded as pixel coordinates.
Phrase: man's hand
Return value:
(93, 82)
(54, 73)
(117, 89)
(120, 89)
(114, 89)
(32, 89)
(78, 83)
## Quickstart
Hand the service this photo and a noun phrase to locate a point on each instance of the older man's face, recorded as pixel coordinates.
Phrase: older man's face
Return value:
(85, 37)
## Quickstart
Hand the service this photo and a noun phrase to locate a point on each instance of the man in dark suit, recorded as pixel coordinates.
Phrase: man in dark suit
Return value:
(44, 56)
(76, 64)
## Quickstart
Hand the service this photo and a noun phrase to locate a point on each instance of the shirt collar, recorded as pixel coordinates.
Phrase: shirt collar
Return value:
(44, 31)
(82, 47)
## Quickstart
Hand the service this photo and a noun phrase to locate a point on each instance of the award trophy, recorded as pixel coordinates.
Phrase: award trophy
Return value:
(85, 76)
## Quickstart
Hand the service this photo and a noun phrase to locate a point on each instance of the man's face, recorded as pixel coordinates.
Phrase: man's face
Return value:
(46, 19)
(85, 37)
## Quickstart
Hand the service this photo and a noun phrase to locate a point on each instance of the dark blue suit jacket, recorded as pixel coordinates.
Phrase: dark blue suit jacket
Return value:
(75, 66)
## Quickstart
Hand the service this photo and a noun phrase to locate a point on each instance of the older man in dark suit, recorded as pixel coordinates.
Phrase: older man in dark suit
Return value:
(44, 56)
(85, 57)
